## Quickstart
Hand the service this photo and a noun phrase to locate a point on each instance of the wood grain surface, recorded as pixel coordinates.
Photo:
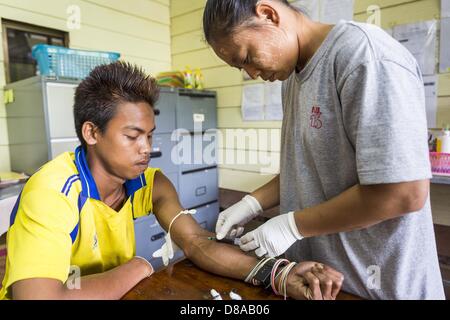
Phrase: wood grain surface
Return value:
(185, 281)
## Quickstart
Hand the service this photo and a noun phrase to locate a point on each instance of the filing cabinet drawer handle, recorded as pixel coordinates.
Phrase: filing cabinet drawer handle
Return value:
(157, 112)
(154, 155)
(196, 95)
(157, 236)
(200, 191)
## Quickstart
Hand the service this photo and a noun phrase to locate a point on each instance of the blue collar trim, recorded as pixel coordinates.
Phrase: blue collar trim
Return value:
(89, 188)
(131, 186)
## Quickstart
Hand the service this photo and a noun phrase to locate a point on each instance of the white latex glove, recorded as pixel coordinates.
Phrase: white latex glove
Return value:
(272, 238)
(166, 252)
(232, 220)
(168, 249)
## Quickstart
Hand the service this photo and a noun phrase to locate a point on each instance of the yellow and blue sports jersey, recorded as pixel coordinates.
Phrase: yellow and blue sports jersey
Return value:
(60, 224)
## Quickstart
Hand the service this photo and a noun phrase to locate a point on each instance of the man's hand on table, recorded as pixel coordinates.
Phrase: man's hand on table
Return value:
(314, 281)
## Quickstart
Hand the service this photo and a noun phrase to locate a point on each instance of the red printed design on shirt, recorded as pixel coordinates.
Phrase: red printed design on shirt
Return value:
(315, 118)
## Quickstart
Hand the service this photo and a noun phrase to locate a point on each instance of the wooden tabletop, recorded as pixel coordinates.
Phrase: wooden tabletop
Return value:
(185, 281)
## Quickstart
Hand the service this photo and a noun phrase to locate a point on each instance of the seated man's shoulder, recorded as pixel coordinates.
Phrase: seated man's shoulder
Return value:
(59, 175)
(147, 182)
(150, 174)
(49, 197)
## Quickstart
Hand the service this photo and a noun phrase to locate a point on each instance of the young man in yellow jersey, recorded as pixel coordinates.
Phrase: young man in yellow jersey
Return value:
(77, 211)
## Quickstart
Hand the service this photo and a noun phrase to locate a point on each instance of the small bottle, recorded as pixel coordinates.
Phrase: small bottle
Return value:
(445, 141)
(188, 78)
(198, 79)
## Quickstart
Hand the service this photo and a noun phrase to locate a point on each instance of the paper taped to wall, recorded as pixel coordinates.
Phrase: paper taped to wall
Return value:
(273, 104)
(253, 102)
(445, 8)
(326, 11)
(444, 56)
(262, 102)
(310, 6)
(420, 39)
(331, 11)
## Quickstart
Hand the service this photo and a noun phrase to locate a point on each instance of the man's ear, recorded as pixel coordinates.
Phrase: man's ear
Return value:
(265, 11)
(90, 133)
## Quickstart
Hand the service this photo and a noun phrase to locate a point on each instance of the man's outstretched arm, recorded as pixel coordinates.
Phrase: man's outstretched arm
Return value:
(228, 260)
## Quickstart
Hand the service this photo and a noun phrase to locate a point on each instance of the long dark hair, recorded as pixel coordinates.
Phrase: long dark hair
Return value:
(222, 17)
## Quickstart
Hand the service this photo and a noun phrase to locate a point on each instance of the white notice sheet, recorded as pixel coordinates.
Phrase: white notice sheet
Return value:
(253, 102)
(272, 93)
(420, 39)
(310, 6)
(444, 56)
(331, 11)
(272, 103)
(445, 8)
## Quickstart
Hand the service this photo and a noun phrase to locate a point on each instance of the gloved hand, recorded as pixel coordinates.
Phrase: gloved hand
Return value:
(232, 220)
(272, 238)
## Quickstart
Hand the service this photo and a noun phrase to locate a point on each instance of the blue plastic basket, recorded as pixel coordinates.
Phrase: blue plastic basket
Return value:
(61, 62)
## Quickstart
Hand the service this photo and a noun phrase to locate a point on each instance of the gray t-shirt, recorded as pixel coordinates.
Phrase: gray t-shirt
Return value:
(356, 115)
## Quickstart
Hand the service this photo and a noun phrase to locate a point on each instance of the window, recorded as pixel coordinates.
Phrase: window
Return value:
(18, 40)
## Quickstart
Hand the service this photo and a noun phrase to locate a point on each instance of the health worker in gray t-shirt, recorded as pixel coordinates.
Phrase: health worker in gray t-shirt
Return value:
(353, 187)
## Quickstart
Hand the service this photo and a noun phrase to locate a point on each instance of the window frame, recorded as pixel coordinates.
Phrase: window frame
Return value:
(26, 27)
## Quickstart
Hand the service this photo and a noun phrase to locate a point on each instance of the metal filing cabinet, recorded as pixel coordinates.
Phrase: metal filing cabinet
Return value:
(196, 107)
(198, 187)
(161, 157)
(40, 121)
(165, 111)
(203, 151)
(204, 214)
(165, 121)
(195, 113)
